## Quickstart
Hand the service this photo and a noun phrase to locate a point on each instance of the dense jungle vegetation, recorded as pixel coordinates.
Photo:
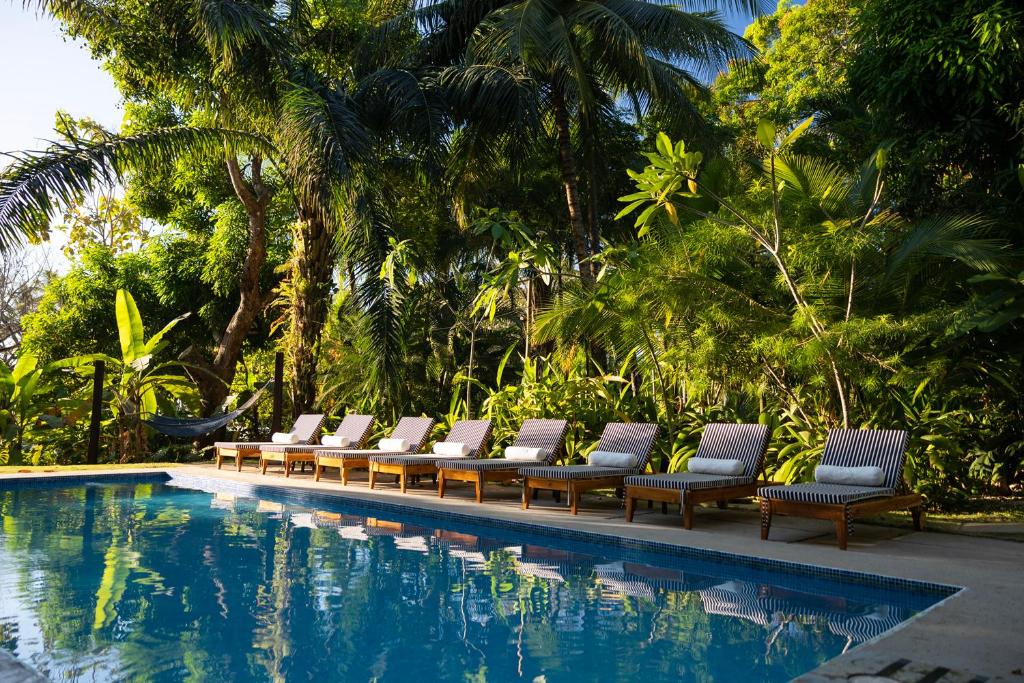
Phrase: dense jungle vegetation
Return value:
(604, 210)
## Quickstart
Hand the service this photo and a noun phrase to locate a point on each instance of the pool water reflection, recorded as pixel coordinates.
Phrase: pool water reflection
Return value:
(148, 581)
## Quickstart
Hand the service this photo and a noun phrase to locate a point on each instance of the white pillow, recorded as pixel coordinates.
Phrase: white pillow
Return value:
(400, 445)
(610, 459)
(284, 437)
(336, 441)
(849, 476)
(454, 449)
(723, 466)
(524, 453)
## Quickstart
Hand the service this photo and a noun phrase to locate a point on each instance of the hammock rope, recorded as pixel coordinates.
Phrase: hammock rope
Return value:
(192, 427)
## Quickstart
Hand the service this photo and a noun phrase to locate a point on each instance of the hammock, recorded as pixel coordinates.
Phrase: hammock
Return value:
(191, 427)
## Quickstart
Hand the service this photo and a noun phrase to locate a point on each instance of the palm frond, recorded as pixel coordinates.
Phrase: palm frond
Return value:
(37, 184)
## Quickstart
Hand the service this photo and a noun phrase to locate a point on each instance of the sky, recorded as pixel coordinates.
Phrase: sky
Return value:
(41, 72)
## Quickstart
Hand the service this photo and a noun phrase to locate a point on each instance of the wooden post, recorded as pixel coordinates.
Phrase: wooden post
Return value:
(275, 420)
(92, 455)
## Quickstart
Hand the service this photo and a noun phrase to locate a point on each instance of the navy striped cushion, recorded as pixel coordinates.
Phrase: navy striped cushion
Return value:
(629, 437)
(885, 448)
(547, 435)
(574, 472)
(272, 449)
(745, 442)
(408, 459)
(306, 426)
(473, 465)
(343, 453)
(825, 494)
(687, 481)
(242, 445)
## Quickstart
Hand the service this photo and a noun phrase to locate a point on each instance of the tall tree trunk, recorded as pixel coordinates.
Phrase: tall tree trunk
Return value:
(255, 198)
(311, 295)
(567, 162)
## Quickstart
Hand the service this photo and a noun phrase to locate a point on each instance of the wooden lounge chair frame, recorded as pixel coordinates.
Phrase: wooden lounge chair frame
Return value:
(689, 498)
(415, 429)
(239, 451)
(527, 438)
(359, 426)
(631, 437)
(463, 431)
(843, 514)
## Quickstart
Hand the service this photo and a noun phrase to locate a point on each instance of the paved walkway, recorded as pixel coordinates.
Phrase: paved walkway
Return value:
(978, 632)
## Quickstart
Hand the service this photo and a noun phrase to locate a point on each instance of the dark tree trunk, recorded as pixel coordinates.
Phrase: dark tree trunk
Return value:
(255, 197)
(311, 295)
(567, 163)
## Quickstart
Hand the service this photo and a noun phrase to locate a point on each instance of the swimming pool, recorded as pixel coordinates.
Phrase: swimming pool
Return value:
(164, 579)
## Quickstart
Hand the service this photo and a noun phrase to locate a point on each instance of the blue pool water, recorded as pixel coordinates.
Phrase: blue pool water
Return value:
(155, 581)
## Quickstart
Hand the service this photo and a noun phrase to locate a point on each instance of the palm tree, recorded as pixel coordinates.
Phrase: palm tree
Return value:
(572, 60)
(244, 66)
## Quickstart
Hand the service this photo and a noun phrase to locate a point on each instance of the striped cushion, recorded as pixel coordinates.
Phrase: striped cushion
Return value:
(242, 445)
(825, 494)
(306, 426)
(488, 465)
(473, 433)
(745, 442)
(345, 454)
(885, 448)
(281, 448)
(415, 430)
(629, 437)
(574, 472)
(547, 435)
(407, 459)
(686, 481)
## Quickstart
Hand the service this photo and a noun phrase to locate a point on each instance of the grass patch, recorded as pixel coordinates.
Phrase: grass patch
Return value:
(14, 469)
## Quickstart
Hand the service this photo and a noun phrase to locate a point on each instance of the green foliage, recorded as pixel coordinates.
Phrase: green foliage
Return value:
(138, 384)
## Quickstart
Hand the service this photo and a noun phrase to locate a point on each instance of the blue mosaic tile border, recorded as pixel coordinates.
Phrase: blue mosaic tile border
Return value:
(668, 550)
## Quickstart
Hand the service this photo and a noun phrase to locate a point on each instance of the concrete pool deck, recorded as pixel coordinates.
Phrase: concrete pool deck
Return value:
(978, 632)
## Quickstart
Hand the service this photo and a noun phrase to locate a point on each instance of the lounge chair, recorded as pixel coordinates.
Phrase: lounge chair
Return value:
(842, 503)
(742, 445)
(472, 434)
(355, 428)
(306, 428)
(546, 435)
(632, 438)
(414, 430)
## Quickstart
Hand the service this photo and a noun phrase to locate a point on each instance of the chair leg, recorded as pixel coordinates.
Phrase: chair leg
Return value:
(917, 514)
(220, 459)
(316, 471)
(373, 477)
(842, 528)
(263, 466)
(403, 480)
(440, 484)
(288, 467)
(238, 462)
(630, 504)
(479, 487)
(687, 512)
(344, 475)
(574, 499)
(526, 494)
(766, 518)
